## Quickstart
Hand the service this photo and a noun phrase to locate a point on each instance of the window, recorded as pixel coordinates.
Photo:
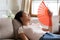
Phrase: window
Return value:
(51, 4)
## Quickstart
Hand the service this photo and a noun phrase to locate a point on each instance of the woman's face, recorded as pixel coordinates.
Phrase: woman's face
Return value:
(25, 18)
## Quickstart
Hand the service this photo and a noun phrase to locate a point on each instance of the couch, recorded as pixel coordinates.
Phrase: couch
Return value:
(7, 29)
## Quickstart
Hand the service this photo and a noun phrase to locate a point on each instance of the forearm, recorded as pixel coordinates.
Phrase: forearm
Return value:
(50, 29)
(23, 36)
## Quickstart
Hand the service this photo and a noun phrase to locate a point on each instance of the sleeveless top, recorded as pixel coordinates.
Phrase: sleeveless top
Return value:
(32, 31)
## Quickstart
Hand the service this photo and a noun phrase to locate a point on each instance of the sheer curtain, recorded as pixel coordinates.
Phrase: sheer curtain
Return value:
(9, 7)
(27, 5)
(14, 5)
(3, 8)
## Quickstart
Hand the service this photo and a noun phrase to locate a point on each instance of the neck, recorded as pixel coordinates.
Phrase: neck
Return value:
(25, 24)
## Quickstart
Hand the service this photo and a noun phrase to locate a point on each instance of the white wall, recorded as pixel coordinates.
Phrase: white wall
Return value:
(55, 22)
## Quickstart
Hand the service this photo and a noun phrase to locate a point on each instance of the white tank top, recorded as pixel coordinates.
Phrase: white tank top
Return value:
(33, 33)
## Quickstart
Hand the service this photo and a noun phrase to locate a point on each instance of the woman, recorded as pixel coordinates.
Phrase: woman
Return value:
(33, 33)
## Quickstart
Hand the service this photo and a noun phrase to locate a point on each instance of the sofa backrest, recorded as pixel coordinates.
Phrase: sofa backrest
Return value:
(16, 26)
(6, 28)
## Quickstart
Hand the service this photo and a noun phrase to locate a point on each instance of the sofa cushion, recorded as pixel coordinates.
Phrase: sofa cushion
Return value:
(16, 26)
(6, 28)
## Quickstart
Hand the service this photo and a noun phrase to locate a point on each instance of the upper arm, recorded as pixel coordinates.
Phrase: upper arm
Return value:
(22, 34)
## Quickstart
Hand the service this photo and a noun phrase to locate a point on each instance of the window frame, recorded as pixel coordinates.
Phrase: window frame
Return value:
(32, 15)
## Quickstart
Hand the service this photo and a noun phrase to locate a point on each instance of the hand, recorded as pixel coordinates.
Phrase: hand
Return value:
(50, 13)
(45, 29)
(23, 36)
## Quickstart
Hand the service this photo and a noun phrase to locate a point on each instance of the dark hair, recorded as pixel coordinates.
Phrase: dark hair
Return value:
(18, 15)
